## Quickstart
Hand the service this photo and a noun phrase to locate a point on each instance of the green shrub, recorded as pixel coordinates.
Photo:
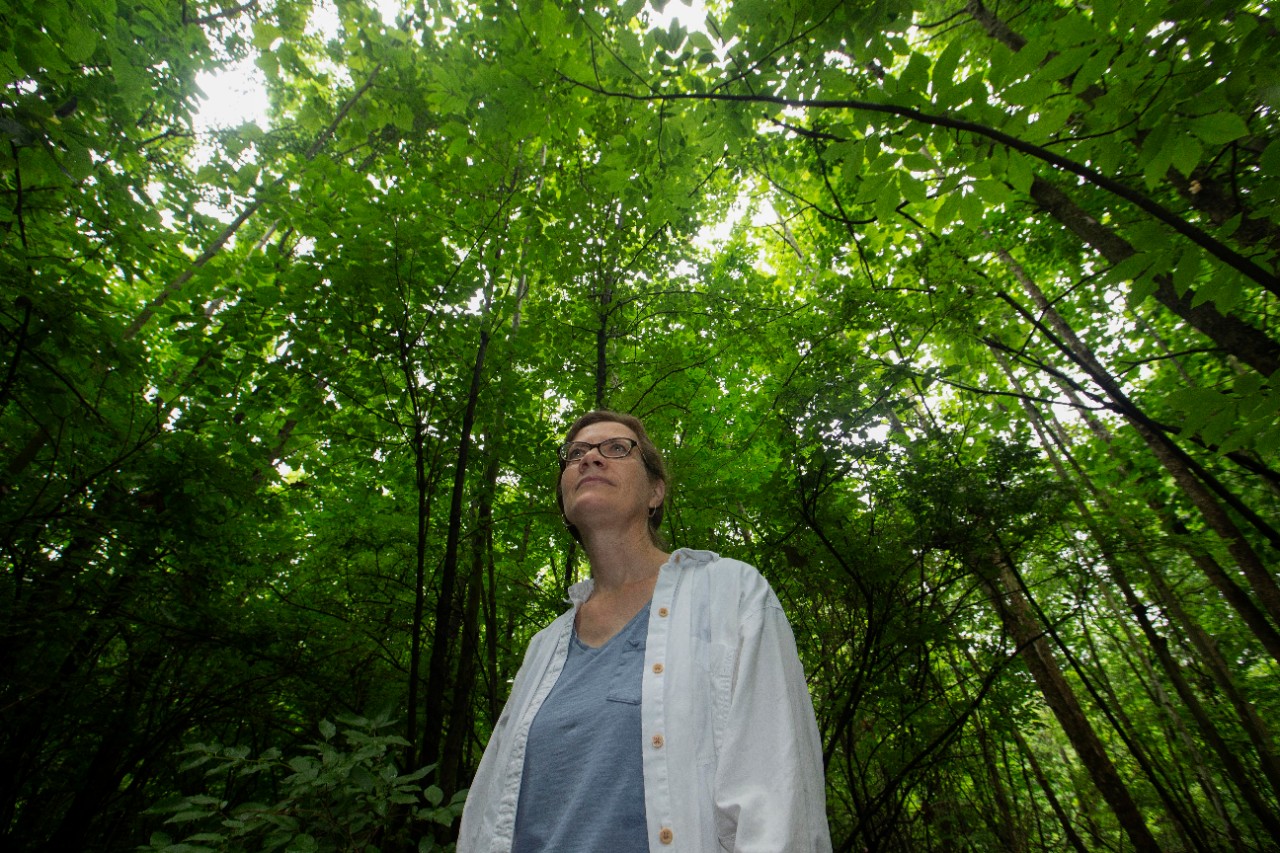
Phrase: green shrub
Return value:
(344, 794)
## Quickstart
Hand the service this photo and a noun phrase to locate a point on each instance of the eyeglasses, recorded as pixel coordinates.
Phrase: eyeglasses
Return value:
(612, 448)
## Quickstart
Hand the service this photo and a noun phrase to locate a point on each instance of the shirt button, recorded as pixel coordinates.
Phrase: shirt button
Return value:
(658, 741)
(657, 669)
(662, 611)
(666, 836)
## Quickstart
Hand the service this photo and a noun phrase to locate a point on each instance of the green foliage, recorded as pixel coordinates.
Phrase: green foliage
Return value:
(885, 338)
(344, 793)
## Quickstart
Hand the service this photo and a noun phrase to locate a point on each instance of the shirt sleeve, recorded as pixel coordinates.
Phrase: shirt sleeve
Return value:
(488, 815)
(769, 791)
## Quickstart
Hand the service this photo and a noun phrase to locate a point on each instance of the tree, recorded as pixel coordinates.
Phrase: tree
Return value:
(956, 319)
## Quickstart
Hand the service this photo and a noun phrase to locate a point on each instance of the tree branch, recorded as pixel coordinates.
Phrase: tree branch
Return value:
(1214, 247)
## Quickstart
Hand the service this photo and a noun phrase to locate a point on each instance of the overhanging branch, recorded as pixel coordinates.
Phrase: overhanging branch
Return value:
(1196, 235)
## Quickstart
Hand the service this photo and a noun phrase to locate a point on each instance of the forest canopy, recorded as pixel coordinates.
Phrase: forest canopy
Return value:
(957, 319)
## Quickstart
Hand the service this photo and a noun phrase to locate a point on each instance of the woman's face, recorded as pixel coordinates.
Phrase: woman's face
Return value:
(599, 489)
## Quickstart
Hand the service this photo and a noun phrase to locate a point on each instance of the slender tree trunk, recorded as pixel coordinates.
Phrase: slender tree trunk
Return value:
(1007, 829)
(1169, 455)
(438, 670)
(1178, 731)
(1235, 770)
(1219, 670)
(416, 631)
(491, 640)
(1019, 619)
(1230, 334)
(602, 347)
(1051, 434)
(1231, 592)
(1050, 795)
(423, 492)
(453, 759)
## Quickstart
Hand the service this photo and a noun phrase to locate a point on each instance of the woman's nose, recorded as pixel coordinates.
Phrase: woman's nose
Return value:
(592, 456)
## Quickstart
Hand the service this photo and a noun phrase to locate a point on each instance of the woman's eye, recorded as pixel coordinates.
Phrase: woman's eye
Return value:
(617, 448)
(575, 454)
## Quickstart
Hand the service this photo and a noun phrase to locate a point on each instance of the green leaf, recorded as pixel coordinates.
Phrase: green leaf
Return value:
(1220, 424)
(1020, 173)
(1029, 58)
(1270, 159)
(915, 77)
(1186, 271)
(947, 211)
(1029, 93)
(992, 192)
(365, 780)
(1224, 289)
(1104, 13)
(1067, 62)
(1219, 128)
(303, 843)
(1094, 68)
(1185, 153)
(79, 42)
(944, 68)
(1248, 384)
(265, 34)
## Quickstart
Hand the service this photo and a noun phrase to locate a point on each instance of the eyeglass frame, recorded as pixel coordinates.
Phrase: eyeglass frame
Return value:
(562, 452)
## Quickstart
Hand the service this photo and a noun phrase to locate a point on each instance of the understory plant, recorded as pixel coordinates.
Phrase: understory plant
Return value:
(344, 794)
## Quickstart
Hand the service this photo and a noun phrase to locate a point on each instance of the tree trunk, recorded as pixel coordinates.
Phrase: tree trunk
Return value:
(1016, 613)
(1230, 334)
(438, 671)
(1064, 820)
(1166, 452)
(423, 492)
(454, 757)
(995, 27)
(1051, 434)
(1231, 592)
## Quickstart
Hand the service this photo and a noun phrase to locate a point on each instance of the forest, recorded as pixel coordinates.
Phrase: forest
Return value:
(960, 319)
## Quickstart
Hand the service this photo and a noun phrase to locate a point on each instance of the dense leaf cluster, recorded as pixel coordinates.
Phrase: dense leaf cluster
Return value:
(958, 320)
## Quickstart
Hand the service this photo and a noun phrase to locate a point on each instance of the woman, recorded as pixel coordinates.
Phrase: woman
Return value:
(667, 709)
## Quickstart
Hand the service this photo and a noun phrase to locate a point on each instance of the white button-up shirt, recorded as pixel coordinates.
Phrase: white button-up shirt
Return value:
(731, 754)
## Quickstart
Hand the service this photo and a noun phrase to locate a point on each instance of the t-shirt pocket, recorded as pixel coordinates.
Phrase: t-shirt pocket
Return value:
(626, 684)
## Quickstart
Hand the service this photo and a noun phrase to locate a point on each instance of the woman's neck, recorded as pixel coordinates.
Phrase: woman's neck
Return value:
(625, 572)
(622, 562)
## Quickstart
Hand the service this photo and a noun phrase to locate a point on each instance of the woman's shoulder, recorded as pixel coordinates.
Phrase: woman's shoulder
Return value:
(550, 634)
(729, 579)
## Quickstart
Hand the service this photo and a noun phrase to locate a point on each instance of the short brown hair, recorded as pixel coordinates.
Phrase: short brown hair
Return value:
(649, 455)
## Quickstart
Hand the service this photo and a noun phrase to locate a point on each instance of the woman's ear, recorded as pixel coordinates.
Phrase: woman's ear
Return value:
(659, 494)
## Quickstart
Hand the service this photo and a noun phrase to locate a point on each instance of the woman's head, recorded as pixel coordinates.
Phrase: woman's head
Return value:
(648, 454)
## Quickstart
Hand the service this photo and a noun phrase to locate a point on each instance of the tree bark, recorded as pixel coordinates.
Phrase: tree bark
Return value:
(453, 759)
(1047, 788)
(1052, 434)
(442, 634)
(1231, 335)
(1016, 613)
(995, 26)
(1169, 455)
(1208, 730)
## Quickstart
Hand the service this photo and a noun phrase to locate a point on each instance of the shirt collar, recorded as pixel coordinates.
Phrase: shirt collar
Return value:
(680, 558)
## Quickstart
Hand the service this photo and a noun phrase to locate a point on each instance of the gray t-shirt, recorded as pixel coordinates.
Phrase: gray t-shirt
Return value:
(583, 787)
